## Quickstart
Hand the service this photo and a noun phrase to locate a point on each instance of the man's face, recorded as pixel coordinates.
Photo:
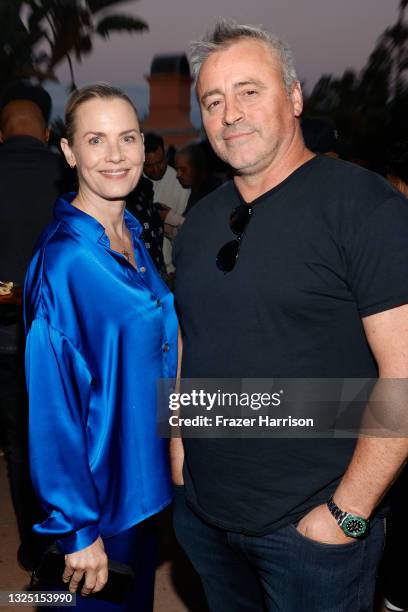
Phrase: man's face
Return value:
(249, 117)
(184, 169)
(155, 165)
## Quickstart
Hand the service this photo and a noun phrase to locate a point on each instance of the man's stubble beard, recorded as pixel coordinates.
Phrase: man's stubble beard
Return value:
(248, 167)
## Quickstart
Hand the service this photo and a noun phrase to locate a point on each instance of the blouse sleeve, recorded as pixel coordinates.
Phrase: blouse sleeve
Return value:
(59, 384)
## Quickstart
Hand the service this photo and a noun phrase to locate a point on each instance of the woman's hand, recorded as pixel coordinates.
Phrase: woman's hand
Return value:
(91, 561)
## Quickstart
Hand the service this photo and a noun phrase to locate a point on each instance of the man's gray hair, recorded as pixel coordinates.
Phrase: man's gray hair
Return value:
(226, 32)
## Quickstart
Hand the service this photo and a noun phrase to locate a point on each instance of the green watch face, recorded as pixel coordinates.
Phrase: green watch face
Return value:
(354, 526)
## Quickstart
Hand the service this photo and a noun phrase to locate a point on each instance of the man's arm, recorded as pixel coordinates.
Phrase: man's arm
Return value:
(176, 444)
(177, 460)
(376, 461)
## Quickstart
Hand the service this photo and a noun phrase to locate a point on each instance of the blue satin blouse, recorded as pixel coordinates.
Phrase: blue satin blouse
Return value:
(99, 335)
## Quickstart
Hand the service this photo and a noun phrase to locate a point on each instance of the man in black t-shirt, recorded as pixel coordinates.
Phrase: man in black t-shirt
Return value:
(313, 284)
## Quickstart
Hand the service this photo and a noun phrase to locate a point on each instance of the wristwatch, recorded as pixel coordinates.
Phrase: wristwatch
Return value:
(352, 525)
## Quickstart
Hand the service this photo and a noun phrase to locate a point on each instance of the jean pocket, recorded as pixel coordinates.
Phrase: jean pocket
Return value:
(354, 543)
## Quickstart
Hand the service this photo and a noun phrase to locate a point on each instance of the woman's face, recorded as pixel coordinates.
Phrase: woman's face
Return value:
(107, 149)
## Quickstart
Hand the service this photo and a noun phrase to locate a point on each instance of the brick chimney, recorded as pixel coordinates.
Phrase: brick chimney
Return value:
(169, 107)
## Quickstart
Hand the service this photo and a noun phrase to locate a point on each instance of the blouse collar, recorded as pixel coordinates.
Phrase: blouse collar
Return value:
(86, 224)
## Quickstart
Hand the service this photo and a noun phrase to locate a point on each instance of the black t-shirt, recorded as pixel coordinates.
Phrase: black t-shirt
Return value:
(326, 247)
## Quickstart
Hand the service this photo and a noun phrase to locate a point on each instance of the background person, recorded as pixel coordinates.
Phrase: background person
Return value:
(397, 167)
(32, 175)
(320, 135)
(395, 562)
(31, 178)
(167, 192)
(140, 203)
(101, 329)
(192, 172)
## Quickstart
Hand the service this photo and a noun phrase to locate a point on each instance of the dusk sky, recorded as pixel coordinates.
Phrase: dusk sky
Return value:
(327, 36)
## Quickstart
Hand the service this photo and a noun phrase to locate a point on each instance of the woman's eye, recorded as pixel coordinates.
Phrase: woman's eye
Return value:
(129, 138)
(95, 140)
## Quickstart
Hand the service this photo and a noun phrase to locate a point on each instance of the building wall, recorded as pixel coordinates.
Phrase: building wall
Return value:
(169, 109)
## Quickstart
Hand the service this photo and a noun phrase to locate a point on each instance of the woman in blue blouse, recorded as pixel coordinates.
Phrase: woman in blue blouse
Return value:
(101, 329)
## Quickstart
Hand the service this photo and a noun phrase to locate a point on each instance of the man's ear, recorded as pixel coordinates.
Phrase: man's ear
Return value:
(69, 155)
(297, 98)
(1, 136)
(47, 134)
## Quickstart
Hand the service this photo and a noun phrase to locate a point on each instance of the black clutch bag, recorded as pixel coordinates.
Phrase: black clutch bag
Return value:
(49, 572)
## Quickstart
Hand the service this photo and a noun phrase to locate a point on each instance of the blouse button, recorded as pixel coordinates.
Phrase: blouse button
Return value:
(166, 347)
(142, 269)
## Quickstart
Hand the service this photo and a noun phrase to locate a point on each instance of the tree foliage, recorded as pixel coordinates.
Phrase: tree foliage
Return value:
(369, 108)
(37, 35)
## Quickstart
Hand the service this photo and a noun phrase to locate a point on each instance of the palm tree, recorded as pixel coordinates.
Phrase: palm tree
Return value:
(16, 43)
(56, 30)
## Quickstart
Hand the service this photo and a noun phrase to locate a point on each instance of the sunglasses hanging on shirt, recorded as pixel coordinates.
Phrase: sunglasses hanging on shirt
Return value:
(228, 254)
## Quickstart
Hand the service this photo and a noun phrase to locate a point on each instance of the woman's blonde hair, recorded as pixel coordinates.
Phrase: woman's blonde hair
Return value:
(86, 93)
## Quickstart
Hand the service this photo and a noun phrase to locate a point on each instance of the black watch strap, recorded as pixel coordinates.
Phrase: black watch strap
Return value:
(338, 514)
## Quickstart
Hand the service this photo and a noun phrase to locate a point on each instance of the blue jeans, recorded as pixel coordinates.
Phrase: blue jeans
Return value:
(280, 572)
